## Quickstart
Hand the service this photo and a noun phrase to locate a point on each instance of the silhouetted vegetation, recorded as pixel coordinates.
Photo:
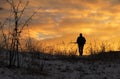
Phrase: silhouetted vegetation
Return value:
(11, 30)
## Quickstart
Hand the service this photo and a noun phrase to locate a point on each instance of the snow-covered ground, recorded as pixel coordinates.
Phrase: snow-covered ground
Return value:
(64, 69)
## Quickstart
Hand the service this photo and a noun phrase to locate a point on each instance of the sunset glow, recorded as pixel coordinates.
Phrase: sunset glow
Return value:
(65, 19)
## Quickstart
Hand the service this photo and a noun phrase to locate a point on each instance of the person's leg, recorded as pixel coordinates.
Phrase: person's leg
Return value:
(81, 50)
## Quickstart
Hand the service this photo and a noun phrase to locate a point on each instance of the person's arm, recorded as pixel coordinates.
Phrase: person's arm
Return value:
(77, 40)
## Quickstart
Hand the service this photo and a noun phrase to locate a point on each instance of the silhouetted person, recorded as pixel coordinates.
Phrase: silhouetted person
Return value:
(81, 41)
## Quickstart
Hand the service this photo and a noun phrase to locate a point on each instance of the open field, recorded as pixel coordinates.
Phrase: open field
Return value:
(101, 66)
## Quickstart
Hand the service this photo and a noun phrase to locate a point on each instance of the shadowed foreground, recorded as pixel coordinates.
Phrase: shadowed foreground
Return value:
(101, 66)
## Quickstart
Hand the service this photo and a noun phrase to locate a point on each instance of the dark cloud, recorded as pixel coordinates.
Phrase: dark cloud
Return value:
(60, 4)
(1, 8)
(90, 1)
(115, 2)
(2, 2)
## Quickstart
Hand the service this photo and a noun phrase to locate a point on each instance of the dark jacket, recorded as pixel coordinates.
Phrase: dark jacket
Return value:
(81, 40)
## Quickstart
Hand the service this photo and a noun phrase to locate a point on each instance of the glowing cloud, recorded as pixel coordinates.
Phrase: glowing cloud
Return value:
(60, 17)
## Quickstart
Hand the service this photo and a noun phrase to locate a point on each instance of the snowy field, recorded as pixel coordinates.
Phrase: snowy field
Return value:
(65, 69)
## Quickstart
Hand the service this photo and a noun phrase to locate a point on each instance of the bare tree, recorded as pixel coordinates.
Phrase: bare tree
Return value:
(17, 14)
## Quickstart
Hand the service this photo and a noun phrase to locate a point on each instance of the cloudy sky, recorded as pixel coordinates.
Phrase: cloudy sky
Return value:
(55, 18)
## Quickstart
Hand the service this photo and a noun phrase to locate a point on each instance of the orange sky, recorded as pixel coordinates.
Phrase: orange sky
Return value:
(60, 17)
(98, 19)
(92, 17)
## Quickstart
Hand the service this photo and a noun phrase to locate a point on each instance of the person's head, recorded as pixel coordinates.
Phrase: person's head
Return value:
(80, 34)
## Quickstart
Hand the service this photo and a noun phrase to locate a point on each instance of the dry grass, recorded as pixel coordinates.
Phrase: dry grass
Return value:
(30, 57)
